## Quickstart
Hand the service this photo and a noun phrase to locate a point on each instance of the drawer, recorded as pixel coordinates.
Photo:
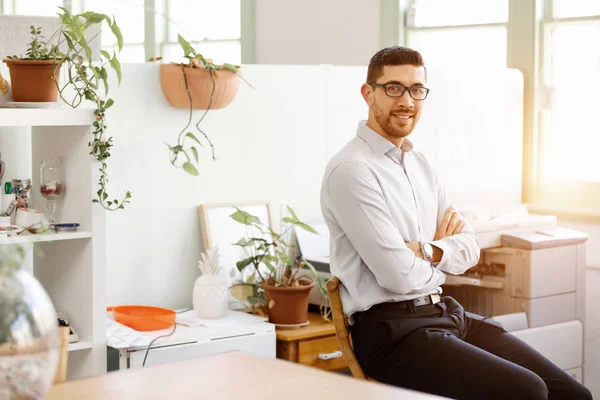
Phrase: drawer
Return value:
(310, 350)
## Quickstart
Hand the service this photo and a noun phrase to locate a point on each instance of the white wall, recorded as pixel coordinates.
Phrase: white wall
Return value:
(341, 32)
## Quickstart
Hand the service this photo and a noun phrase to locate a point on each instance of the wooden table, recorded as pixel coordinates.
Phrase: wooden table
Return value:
(229, 376)
(304, 345)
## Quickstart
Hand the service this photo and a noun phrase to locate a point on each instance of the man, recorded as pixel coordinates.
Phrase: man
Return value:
(393, 236)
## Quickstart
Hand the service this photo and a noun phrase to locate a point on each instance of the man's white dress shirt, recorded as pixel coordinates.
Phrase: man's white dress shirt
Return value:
(375, 197)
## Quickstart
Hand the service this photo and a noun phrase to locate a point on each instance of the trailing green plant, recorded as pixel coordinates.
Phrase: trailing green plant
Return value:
(86, 78)
(196, 60)
(273, 261)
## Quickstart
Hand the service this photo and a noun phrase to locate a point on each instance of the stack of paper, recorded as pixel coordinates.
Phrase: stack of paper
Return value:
(232, 318)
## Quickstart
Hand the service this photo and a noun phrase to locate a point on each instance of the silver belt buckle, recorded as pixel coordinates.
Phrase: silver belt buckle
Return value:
(422, 301)
(426, 300)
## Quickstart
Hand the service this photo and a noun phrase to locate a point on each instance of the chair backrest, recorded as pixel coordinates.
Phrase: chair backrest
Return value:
(340, 322)
(63, 355)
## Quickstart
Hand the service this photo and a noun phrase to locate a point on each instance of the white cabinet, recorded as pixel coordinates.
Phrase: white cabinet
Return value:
(70, 266)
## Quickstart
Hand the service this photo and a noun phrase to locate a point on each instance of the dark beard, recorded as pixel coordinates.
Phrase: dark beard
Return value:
(385, 121)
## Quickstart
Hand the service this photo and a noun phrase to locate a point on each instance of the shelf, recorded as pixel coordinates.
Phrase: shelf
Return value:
(44, 237)
(61, 116)
(80, 346)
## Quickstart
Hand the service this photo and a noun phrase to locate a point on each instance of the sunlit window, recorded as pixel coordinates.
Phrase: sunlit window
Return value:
(33, 7)
(452, 34)
(573, 135)
(129, 15)
(459, 12)
(212, 27)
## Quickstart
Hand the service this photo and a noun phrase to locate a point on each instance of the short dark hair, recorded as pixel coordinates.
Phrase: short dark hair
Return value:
(395, 55)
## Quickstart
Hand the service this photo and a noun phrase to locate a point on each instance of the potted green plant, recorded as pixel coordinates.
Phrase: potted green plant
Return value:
(36, 77)
(197, 84)
(276, 285)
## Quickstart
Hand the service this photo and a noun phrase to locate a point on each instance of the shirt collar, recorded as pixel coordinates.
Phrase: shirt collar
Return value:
(378, 143)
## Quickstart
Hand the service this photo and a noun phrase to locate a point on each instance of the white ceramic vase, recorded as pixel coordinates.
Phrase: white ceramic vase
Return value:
(211, 297)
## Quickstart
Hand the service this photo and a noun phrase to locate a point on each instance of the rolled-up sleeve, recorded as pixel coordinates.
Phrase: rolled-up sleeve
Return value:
(460, 251)
(356, 199)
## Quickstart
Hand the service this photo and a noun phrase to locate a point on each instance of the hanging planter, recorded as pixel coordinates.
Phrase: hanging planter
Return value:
(200, 86)
(197, 84)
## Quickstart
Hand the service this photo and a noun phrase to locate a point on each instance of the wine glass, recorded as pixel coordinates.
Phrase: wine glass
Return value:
(52, 183)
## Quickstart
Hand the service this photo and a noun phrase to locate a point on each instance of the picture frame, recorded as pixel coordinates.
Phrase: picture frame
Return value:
(219, 229)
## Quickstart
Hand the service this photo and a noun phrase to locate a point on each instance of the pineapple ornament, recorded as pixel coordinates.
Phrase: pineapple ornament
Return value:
(211, 291)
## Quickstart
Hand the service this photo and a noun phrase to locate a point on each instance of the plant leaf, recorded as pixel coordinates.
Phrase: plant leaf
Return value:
(104, 76)
(321, 283)
(189, 168)
(117, 32)
(88, 51)
(244, 263)
(109, 103)
(306, 227)
(193, 137)
(94, 18)
(185, 45)
(292, 213)
(243, 242)
(116, 65)
(242, 292)
(230, 67)
(195, 153)
(105, 53)
(244, 218)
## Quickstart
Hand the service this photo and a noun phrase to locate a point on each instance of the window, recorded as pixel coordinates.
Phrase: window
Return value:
(461, 32)
(569, 129)
(32, 7)
(212, 27)
(215, 34)
(129, 15)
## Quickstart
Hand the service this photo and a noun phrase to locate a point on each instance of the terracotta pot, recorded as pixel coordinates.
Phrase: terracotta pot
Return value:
(200, 85)
(289, 306)
(31, 80)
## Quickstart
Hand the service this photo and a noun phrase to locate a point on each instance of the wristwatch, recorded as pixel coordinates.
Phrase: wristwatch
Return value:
(427, 251)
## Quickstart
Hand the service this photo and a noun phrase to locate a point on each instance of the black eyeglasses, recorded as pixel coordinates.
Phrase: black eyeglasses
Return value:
(397, 90)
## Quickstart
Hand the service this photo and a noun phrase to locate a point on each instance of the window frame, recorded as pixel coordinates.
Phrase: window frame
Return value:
(571, 198)
(528, 29)
(247, 37)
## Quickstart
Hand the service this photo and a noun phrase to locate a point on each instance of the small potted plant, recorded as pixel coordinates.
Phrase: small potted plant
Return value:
(35, 78)
(198, 84)
(276, 284)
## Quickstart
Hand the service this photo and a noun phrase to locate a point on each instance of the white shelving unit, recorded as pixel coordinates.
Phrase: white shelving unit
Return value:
(46, 237)
(70, 265)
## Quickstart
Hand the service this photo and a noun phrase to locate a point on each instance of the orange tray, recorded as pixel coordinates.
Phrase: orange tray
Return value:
(143, 318)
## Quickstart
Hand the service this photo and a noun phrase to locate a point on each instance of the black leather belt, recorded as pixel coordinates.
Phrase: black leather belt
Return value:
(396, 305)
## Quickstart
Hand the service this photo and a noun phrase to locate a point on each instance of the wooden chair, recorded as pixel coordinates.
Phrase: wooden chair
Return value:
(63, 355)
(340, 322)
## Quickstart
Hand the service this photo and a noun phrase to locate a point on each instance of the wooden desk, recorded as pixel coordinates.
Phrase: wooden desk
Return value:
(228, 376)
(304, 345)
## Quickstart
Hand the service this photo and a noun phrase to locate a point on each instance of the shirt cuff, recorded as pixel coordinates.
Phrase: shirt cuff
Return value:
(444, 264)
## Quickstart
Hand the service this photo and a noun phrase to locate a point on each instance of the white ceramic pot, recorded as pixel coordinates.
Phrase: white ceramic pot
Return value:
(210, 297)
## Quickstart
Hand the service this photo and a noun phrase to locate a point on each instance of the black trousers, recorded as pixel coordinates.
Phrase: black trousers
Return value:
(442, 350)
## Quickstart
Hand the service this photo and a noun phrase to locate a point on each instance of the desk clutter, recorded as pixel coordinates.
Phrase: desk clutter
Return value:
(17, 217)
